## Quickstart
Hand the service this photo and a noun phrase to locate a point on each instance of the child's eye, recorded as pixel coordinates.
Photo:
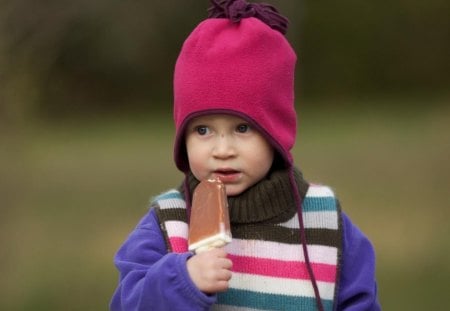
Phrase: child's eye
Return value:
(243, 128)
(202, 130)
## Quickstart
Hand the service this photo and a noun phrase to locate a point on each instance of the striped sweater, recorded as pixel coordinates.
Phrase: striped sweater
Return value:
(269, 270)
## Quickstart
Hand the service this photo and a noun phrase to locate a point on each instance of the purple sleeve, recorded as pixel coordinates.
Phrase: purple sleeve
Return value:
(150, 278)
(357, 285)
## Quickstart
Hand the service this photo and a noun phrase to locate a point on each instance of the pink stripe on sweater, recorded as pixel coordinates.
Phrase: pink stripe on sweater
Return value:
(179, 244)
(282, 269)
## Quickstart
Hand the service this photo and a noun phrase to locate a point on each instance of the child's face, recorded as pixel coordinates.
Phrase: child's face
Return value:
(227, 147)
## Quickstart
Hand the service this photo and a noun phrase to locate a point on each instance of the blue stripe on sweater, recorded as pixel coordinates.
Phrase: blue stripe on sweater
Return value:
(319, 204)
(310, 204)
(262, 301)
(168, 195)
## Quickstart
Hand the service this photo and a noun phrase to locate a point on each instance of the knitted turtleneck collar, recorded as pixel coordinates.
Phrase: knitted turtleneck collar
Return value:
(270, 200)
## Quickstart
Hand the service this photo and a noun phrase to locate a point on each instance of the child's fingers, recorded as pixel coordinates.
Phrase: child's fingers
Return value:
(210, 270)
(224, 263)
(224, 275)
(218, 252)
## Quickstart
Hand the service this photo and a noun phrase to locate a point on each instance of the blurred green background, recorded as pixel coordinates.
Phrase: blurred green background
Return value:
(86, 136)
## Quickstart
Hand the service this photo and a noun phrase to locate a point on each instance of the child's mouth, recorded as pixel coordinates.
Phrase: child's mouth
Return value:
(227, 175)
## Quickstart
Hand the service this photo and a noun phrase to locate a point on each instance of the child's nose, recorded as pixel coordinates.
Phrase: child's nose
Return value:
(224, 147)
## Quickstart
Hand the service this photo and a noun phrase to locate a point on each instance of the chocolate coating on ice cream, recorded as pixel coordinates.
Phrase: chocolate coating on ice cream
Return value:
(209, 225)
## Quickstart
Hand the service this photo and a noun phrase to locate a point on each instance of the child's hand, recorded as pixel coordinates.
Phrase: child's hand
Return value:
(210, 270)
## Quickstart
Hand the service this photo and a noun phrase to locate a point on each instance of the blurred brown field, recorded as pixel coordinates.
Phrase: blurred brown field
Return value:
(72, 191)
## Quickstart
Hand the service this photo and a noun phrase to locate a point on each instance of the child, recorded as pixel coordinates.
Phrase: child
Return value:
(292, 247)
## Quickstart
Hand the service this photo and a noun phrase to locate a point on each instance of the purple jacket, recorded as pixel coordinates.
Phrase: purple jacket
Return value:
(152, 279)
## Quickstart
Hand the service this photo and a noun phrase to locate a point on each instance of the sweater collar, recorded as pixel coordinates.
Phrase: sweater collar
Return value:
(270, 200)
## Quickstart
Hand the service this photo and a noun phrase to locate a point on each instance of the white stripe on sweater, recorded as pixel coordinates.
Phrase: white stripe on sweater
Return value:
(177, 228)
(265, 249)
(281, 251)
(328, 220)
(171, 203)
(322, 220)
(319, 191)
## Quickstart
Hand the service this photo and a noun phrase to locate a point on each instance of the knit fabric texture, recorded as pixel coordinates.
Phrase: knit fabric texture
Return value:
(272, 196)
(269, 270)
(243, 68)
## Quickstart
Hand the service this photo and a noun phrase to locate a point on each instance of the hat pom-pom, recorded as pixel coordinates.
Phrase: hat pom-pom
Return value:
(235, 10)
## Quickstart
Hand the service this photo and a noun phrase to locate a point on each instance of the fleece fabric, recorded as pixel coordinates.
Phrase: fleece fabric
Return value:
(245, 69)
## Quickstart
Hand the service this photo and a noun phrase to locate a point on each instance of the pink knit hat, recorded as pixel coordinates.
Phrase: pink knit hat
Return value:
(241, 65)
(239, 62)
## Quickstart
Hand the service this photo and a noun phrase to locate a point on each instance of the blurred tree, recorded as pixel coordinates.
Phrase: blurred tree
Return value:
(122, 57)
(79, 57)
(350, 47)
(30, 39)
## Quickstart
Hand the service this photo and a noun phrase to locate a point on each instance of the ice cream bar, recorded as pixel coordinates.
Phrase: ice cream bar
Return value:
(209, 224)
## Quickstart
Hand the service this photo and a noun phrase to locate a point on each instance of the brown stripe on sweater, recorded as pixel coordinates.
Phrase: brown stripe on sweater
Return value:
(271, 232)
(172, 214)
